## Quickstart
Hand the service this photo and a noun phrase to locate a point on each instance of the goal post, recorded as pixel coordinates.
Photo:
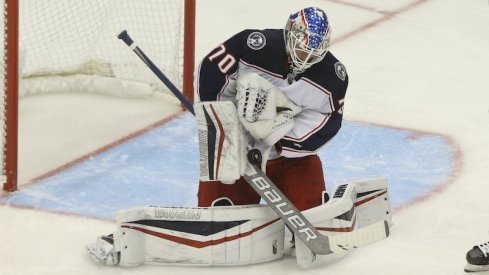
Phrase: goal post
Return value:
(189, 50)
(63, 45)
(10, 81)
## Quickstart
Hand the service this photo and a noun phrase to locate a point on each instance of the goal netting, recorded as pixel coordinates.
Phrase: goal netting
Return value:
(72, 46)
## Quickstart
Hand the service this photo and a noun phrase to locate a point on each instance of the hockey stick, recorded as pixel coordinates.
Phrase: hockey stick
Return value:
(286, 210)
(268, 191)
(124, 36)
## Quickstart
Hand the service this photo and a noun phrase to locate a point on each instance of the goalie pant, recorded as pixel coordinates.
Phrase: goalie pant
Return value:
(240, 235)
(306, 195)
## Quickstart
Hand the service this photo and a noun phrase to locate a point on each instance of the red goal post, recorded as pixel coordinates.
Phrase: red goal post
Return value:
(45, 40)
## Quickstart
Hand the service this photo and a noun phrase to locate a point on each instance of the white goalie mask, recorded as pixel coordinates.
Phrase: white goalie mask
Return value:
(307, 38)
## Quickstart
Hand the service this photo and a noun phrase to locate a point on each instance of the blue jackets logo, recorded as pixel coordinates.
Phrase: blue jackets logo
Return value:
(256, 40)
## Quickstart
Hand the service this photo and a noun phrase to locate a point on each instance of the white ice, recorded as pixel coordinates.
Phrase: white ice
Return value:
(414, 64)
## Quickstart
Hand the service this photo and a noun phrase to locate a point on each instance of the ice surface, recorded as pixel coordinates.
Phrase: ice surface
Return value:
(417, 65)
(161, 167)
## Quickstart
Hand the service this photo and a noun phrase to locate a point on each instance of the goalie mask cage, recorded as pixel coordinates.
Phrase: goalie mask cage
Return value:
(49, 40)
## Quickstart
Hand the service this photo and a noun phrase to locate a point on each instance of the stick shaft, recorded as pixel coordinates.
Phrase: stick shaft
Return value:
(124, 36)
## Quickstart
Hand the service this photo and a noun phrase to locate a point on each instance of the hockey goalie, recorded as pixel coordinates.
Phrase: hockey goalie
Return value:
(227, 232)
(270, 99)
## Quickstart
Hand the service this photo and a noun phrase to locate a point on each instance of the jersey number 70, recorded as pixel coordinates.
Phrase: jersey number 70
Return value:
(226, 62)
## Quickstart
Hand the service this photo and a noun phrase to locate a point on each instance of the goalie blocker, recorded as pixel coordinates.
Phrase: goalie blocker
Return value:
(357, 214)
(222, 142)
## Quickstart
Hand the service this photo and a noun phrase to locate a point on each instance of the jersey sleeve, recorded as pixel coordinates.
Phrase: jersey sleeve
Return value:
(311, 132)
(314, 128)
(215, 78)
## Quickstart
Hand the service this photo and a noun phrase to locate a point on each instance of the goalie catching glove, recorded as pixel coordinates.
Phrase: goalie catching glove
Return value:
(266, 115)
(263, 109)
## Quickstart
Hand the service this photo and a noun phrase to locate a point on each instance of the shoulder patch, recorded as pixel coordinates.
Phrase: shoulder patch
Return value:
(256, 40)
(340, 70)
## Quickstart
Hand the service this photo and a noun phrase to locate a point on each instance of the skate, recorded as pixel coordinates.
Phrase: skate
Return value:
(102, 251)
(478, 258)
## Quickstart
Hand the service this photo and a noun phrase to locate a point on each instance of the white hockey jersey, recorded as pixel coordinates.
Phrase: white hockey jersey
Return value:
(319, 91)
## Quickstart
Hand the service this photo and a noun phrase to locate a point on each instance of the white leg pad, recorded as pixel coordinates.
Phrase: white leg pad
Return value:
(359, 213)
(373, 202)
(234, 235)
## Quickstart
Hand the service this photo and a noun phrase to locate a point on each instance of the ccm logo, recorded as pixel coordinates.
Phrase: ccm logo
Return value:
(284, 208)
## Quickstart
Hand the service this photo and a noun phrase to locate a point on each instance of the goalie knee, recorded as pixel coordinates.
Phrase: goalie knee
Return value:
(357, 214)
(352, 205)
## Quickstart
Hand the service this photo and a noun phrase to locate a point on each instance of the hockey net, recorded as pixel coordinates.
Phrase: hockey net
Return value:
(72, 46)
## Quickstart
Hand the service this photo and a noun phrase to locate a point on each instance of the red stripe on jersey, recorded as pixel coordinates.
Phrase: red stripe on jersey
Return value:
(322, 89)
(261, 69)
(308, 134)
(224, 87)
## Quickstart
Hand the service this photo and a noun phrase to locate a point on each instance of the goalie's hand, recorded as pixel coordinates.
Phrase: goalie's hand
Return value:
(261, 106)
(252, 102)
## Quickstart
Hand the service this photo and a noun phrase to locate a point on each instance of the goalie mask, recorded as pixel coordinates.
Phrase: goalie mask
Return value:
(307, 37)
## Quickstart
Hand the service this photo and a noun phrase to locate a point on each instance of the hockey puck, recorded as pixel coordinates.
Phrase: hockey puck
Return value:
(254, 156)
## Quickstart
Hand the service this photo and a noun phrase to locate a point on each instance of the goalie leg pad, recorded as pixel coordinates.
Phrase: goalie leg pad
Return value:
(230, 235)
(357, 214)
(333, 217)
(372, 202)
